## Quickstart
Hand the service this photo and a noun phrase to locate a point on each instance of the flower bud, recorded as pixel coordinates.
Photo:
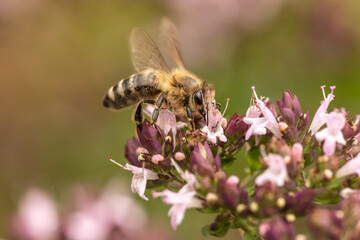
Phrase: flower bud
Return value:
(233, 180)
(303, 201)
(141, 150)
(179, 156)
(328, 174)
(202, 160)
(296, 152)
(300, 237)
(130, 152)
(212, 198)
(229, 192)
(276, 229)
(254, 207)
(290, 217)
(236, 126)
(157, 158)
(281, 202)
(324, 224)
(148, 138)
(240, 208)
(282, 126)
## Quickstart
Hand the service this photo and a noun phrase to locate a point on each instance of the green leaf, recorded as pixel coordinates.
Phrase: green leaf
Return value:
(252, 158)
(326, 201)
(335, 182)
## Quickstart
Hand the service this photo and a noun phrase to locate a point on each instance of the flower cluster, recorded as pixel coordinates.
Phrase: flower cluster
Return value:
(89, 215)
(296, 168)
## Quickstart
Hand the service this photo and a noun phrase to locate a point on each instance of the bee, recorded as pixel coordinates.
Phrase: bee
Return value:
(158, 83)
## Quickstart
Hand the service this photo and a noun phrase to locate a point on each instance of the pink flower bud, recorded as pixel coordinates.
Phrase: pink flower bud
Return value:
(297, 151)
(141, 150)
(264, 228)
(233, 180)
(179, 156)
(157, 158)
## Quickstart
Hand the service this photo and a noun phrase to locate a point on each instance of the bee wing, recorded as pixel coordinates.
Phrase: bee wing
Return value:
(145, 53)
(169, 41)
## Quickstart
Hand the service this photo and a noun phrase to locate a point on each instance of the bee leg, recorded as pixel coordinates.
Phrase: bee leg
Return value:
(139, 116)
(218, 105)
(139, 113)
(158, 104)
(190, 117)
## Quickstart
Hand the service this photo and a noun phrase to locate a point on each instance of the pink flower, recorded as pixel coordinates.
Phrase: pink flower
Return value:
(139, 180)
(179, 156)
(260, 124)
(89, 224)
(187, 176)
(181, 200)
(214, 128)
(96, 216)
(37, 217)
(275, 173)
(331, 135)
(319, 118)
(351, 167)
(167, 122)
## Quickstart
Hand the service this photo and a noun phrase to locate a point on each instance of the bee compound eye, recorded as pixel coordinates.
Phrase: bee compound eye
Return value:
(198, 97)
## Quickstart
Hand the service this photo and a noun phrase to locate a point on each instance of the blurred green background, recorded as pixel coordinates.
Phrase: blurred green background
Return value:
(58, 58)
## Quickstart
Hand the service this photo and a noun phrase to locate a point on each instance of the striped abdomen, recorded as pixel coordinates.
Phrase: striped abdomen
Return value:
(132, 90)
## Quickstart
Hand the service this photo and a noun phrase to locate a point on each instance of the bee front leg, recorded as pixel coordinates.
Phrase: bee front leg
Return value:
(158, 104)
(190, 117)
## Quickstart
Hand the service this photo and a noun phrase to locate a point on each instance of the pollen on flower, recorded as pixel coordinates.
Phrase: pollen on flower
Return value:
(141, 158)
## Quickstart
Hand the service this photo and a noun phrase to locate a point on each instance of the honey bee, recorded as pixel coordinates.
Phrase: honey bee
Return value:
(156, 83)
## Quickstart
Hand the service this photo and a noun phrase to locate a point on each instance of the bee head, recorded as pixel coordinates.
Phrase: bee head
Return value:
(202, 99)
(199, 102)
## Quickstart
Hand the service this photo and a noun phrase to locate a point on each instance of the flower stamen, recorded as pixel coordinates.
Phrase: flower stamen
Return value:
(323, 91)
(226, 106)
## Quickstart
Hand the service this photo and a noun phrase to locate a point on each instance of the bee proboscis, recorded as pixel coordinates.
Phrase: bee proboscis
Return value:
(156, 83)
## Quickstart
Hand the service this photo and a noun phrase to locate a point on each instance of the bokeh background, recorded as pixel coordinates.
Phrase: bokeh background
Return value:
(58, 58)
